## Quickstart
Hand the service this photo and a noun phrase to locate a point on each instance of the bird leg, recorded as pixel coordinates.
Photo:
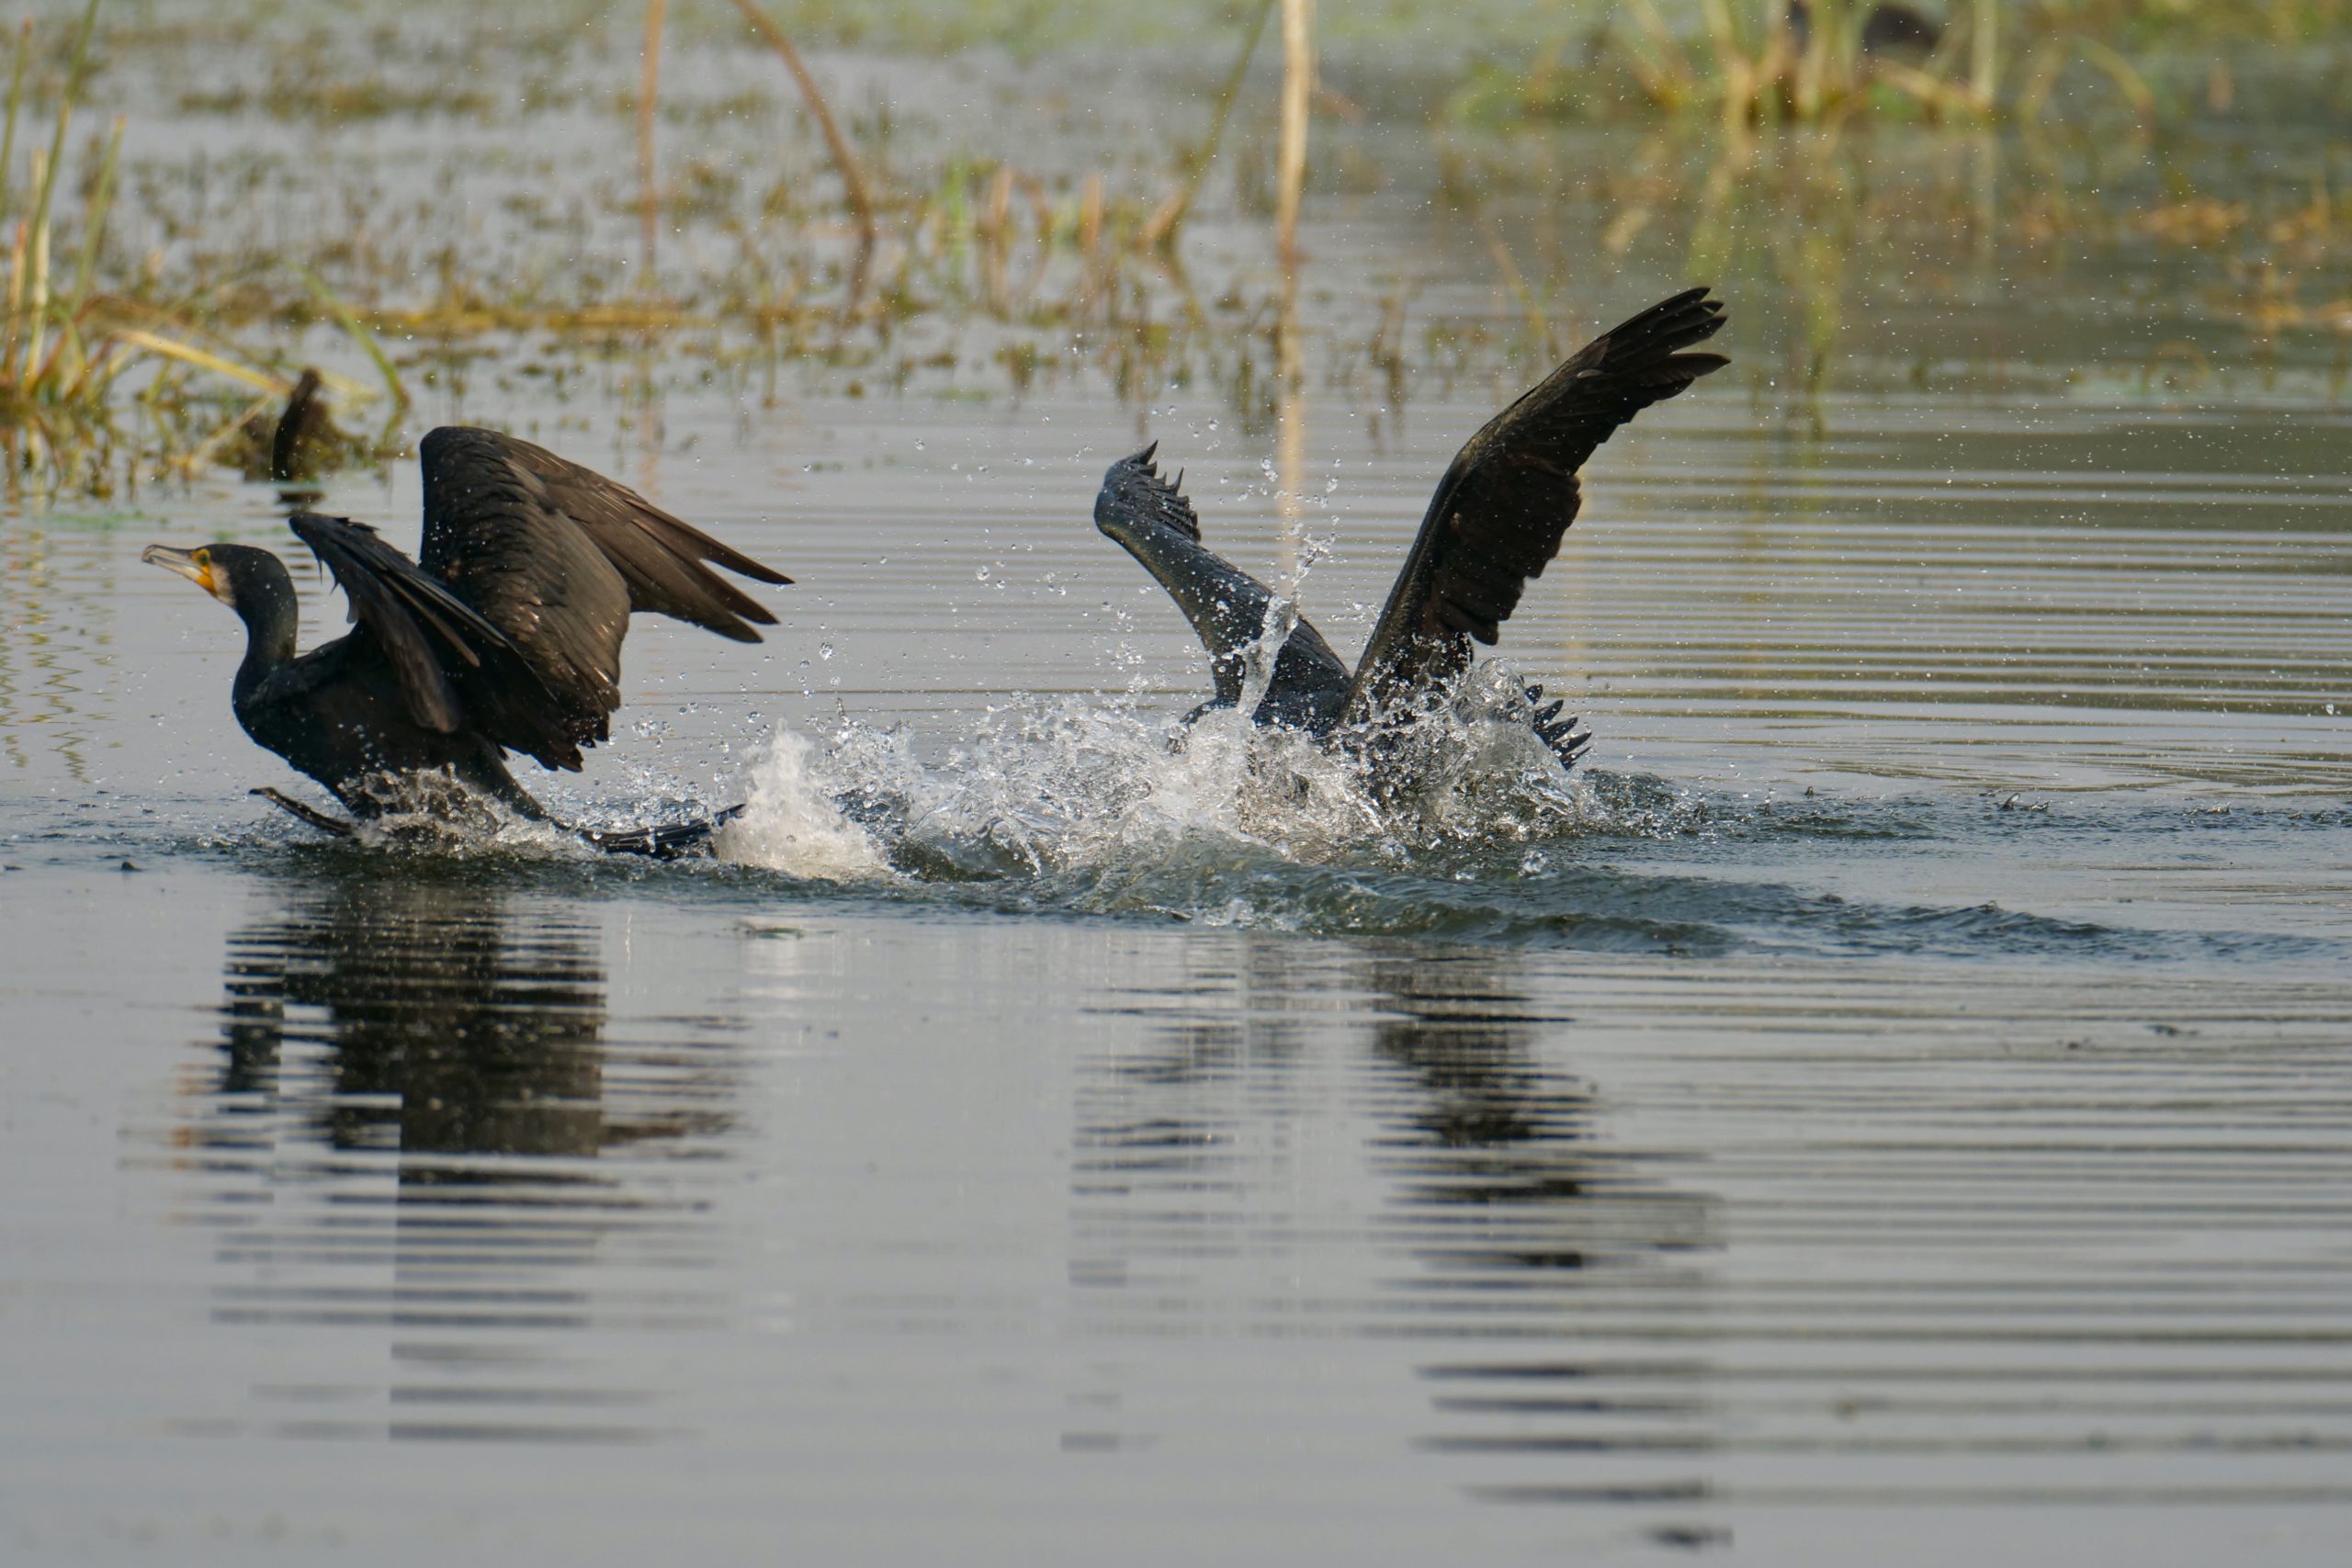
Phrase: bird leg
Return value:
(666, 842)
(334, 827)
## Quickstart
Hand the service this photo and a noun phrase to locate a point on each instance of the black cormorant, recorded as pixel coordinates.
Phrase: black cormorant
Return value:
(504, 635)
(1891, 28)
(1495, 521)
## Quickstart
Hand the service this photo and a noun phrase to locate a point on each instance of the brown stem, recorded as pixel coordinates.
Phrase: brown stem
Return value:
(649, 87)
(1172, 211)
(844, 159)
(1298, 81)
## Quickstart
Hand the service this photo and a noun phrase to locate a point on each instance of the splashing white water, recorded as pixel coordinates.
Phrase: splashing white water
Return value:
(1051, 784)
(791, 824)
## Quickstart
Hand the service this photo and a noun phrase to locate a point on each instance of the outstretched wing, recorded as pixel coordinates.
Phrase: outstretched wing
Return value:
(660, 558)
(1497, 518)
(454, 667)
(1150, 516)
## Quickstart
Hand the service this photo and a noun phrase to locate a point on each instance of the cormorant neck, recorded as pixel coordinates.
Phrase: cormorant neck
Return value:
(1227, 608)
(272, 617)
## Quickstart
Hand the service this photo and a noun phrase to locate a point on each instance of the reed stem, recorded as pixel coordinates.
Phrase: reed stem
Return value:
(853, 179)
(1164, 223)
(15, 102)
(1298, 85)
(648, 89)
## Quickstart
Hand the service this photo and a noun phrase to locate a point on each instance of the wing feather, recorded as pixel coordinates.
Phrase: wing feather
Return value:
(660, 558)
(1498, 515)
(454, 666)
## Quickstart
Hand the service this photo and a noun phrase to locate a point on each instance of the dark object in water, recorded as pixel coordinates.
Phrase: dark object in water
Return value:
(304, 430)
(505, 634)
(1890, 27)
(666, 840)
(302, 443)
(1496, 521)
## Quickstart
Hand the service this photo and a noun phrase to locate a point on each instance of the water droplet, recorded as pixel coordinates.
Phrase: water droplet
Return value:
(824, 650)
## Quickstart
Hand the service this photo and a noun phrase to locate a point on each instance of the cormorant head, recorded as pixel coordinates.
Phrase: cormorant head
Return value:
(252, 583)
(1134, 501)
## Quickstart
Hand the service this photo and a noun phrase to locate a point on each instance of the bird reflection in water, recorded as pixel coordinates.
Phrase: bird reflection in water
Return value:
(1536, 1234)
(1493, 1149)
(441, 1031)
(1559, 1274)
(444, 1063)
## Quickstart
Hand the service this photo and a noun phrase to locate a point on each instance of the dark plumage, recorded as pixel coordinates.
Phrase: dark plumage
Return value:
(504, 636)
(1891, 28)
(1495, 522)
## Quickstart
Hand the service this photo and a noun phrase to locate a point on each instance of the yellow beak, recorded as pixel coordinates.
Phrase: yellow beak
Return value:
(190, 564)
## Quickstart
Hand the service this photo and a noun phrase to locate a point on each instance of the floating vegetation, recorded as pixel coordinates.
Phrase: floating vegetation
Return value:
(68, 348)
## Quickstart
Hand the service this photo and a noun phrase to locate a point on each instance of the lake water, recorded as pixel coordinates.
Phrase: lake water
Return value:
(1892, 1103)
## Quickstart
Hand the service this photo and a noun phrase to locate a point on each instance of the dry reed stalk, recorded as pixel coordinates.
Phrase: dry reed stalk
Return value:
(1516, 281)
(1671, 79)
(1984, 52)
(37, 305)
(1090, 220)
(995, 234)
(853, 179)
(15, 101)
(1298, 87)
(1290, 440)
(15, 301)
(1162, 224)
(648, 89)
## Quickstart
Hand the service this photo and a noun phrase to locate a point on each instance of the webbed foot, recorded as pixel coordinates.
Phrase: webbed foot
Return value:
(334, 826)
(667, 842)
(1565, 740)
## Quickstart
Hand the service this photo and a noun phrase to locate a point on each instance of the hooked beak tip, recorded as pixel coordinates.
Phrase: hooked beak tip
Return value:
(184, 563)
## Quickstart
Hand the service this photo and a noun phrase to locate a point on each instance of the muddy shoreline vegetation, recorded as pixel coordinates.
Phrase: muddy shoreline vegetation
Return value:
(197, 210)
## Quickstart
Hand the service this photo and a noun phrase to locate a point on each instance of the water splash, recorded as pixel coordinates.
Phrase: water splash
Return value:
(1051, 787)
(1466, 828)
(791, 822)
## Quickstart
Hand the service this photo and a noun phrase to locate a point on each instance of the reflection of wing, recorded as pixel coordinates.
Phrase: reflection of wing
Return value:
(475, 483)
(1498, 515)
(1152, 518)
(455, 668)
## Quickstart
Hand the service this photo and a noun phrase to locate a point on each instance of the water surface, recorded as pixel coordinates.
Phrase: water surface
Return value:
(1891, 1103)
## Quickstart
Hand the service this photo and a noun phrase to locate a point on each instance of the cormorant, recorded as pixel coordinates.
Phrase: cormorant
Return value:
(505, 634)
(1495, 521)
(1891, 28)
